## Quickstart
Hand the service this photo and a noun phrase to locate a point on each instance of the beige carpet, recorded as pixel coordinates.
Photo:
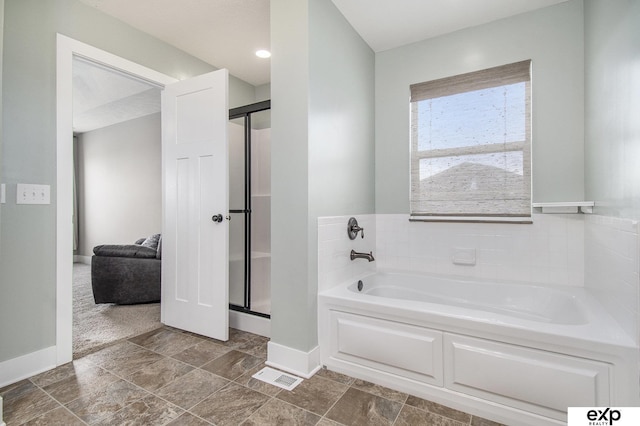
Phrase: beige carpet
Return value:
(95, 326)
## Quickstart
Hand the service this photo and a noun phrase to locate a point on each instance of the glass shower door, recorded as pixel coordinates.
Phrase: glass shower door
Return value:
(236, 212)
(250, 209)
(260, 297)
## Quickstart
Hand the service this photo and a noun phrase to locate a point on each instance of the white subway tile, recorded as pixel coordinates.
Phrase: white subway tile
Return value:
(491, 256)
(611, 259)
(580, 250)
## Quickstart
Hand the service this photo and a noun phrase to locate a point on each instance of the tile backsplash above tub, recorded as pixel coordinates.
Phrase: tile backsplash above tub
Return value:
(612, 261)
(549, 251)
(598, 252)
(334, 247)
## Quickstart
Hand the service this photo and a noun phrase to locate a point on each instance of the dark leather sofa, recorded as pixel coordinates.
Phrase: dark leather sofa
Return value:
(127, 274)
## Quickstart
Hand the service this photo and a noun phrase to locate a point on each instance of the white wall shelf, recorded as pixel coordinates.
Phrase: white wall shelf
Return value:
(566, 207)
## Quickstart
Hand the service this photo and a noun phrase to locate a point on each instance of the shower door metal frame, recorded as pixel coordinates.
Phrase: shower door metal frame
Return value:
(245, 112)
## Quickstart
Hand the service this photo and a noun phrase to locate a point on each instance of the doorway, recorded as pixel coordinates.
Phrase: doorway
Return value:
(67, 49)
(118, 192)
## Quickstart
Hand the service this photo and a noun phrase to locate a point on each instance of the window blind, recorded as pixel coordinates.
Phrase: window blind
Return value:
(471, 145)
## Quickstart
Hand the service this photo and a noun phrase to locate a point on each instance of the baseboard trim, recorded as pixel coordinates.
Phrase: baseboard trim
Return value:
(294, 361)
(82, 259)
(24, 366)
(1, 422)
(251, 323)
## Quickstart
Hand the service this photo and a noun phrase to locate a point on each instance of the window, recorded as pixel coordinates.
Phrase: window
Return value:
(471, 146)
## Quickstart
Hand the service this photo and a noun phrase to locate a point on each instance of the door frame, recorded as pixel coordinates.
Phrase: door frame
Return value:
(67, 48)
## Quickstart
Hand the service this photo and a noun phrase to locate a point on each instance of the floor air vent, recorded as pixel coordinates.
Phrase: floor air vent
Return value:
(277, 378)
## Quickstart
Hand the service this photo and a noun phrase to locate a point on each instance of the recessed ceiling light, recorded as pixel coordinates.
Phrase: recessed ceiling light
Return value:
(263, 54)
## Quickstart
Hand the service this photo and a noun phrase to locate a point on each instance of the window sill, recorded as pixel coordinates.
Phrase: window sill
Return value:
(473, 219)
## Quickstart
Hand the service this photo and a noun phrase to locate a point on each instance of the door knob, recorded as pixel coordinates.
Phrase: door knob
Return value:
(217, 218)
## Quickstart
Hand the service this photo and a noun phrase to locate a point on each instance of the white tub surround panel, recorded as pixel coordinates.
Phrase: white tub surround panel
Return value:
(549, 251)
(508, 365)
(611, 268)
(374, 343)
(334, 247)
(535, 381)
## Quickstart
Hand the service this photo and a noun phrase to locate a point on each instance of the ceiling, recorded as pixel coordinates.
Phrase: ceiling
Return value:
(223, 33)
(227, 33)
(103, 96)
(386, 24)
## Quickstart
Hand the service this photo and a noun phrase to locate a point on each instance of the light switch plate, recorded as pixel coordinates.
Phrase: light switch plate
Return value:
(33, 194)
(3, 193)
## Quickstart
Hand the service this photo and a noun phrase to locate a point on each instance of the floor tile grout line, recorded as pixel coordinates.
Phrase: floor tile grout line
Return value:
(60, 405)
(380, 396)
(105, 386)
(398, 415)
(123, 407)
(194, 415)
(119, 376)
(223, 387)
(74, 414)
(402, 404)
(47, 394)
(199, 401)
(275, 396)
(336, 401)
(154, 393)
(146, 396)
(252, 347)
(140, 399)
(65, 378)
(194, 368)
(169, 383)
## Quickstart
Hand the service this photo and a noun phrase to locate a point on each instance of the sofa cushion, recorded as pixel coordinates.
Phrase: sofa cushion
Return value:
(125, 280)
(127, 250)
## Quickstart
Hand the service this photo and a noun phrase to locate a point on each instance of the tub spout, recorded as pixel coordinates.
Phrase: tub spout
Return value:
(356, 255)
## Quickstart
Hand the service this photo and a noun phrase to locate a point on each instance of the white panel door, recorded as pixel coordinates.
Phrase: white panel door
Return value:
(195, 272)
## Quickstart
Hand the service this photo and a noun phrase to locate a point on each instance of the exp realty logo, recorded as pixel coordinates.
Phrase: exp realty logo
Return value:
(603, 416)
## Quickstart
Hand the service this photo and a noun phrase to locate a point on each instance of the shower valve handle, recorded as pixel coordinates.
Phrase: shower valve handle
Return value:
(353, 229)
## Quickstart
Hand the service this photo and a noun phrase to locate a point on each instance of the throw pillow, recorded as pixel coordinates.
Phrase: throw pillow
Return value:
(152, 241)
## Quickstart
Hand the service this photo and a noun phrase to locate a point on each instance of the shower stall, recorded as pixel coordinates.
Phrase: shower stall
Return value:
(250, 209)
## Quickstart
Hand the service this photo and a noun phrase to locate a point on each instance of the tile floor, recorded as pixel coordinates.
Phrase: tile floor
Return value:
(169, 377)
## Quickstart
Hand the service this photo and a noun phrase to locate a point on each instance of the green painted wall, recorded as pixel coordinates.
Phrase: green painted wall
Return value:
(290, 293)
(552, 37)
(612, 112)
(329, 93)
(28, 261)
(322, 148)
(1, 55)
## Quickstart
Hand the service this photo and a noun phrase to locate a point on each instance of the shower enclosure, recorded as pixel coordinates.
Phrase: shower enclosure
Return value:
(250, 209)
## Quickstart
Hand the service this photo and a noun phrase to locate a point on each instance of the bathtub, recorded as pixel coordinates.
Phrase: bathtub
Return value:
(516, 353)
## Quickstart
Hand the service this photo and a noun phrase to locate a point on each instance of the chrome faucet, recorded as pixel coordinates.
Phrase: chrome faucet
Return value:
(356, 255)
(353, 229)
